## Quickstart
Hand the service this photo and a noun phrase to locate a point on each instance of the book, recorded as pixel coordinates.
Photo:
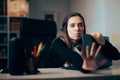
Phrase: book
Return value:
(15, 24)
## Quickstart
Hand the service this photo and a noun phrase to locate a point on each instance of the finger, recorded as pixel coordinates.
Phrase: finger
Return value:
(102, 62)
(87, 51)
(82, 55)
(98, 37)
(92, 49)
(97, 52)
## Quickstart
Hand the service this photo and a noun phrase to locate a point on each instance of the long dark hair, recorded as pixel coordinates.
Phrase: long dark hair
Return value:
(64, 29)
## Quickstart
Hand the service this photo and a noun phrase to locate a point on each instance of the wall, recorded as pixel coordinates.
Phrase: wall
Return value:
(113, 21)
(60, 7)
(93, 12)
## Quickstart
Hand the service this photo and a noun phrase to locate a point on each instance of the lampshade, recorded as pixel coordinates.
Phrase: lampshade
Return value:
(18, 8)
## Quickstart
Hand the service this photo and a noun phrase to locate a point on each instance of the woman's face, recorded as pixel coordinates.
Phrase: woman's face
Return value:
(75, 27)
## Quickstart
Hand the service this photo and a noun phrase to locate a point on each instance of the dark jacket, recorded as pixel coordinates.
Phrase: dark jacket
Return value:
(59, 53)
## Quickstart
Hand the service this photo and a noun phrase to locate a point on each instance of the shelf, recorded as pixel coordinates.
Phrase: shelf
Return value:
(3, 29)
(9, 23)
(3, 16)
(3, 32)
(3, 44)
(14, 32)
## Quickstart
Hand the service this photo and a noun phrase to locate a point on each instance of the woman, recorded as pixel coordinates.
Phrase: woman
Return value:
(62, 49)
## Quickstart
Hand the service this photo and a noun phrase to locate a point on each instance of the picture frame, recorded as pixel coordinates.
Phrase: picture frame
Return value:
(50, 15)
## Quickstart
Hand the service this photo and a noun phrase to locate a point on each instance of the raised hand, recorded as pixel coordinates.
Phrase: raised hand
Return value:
(98, 37)
(90, 60)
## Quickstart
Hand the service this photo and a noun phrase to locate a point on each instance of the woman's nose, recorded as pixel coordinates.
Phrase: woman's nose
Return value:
(77, 27)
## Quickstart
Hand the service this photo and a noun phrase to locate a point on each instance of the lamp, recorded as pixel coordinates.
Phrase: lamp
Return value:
(18, 8)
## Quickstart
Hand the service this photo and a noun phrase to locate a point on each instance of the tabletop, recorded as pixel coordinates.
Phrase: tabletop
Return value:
(111, 73)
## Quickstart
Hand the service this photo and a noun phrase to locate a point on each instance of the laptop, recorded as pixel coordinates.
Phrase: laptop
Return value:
(87, 40)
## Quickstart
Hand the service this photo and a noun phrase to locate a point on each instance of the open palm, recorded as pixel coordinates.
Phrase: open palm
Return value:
(90, 60)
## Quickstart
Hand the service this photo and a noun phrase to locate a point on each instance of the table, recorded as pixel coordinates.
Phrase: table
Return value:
(112, 73)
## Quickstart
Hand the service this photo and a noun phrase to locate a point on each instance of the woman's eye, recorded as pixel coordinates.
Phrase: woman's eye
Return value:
(72, 25)
(80, 24)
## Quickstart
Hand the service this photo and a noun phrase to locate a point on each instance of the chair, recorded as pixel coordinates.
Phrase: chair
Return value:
(32, 32)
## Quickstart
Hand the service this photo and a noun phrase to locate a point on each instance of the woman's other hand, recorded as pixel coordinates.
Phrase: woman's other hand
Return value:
(90, 60)
(98, 37)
